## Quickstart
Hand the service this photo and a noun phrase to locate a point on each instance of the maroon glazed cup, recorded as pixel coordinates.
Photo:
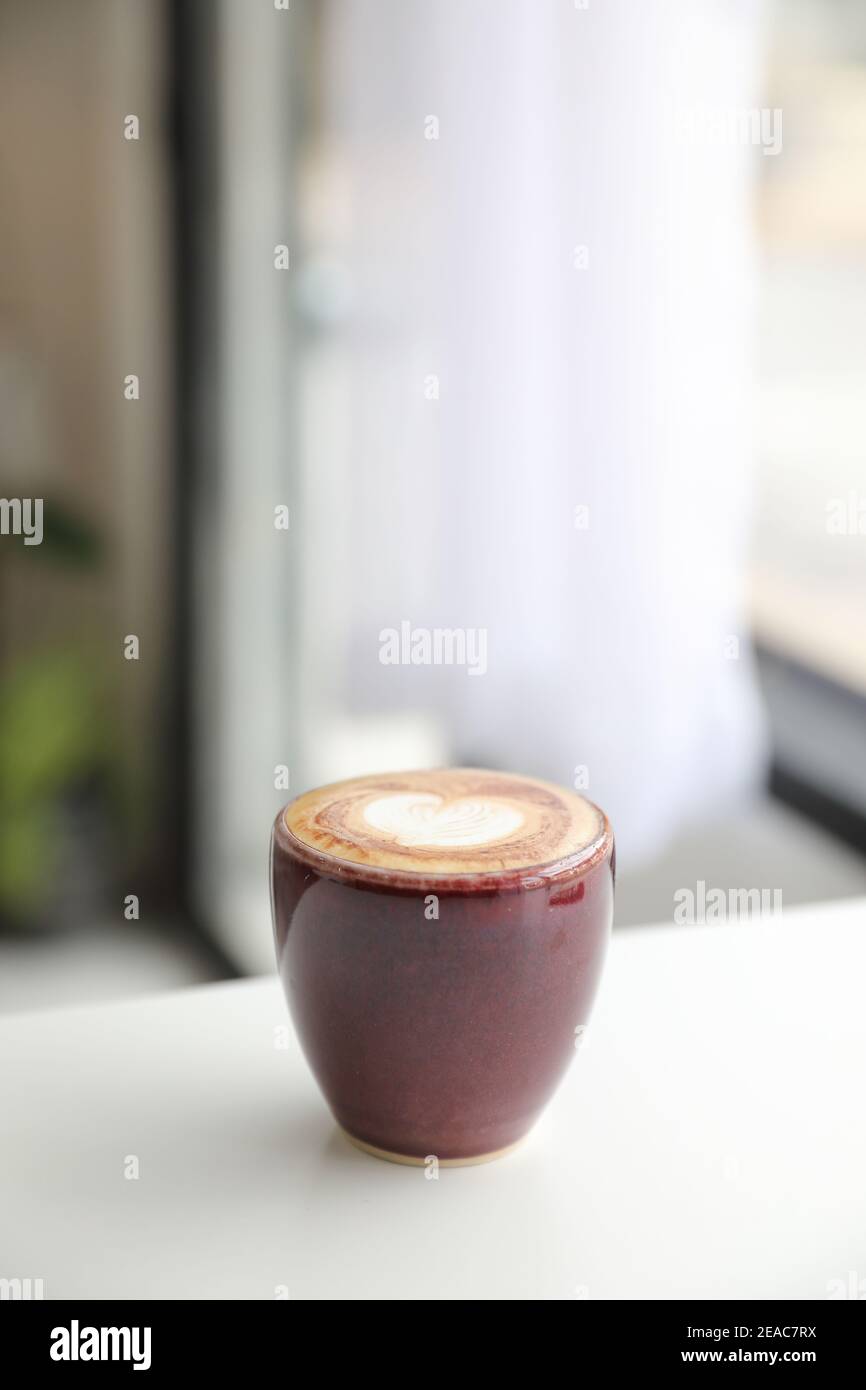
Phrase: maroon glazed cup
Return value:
(438, 1013)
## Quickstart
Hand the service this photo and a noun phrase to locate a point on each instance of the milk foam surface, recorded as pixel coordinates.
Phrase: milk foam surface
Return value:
(421, 818)
(458, 820)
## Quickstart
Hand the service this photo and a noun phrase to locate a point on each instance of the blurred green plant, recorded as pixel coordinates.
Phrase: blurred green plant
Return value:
(50, 738)
(54, 734)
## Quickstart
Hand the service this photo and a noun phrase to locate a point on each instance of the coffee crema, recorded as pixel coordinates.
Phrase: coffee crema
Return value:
(451, 821)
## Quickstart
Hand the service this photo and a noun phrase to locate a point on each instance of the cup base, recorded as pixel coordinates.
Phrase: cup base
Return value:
(412, 1161)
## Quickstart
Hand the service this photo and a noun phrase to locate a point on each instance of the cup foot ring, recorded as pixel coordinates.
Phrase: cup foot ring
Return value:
(412, 1161)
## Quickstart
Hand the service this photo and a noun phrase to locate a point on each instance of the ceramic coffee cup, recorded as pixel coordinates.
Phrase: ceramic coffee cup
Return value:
(440, 937)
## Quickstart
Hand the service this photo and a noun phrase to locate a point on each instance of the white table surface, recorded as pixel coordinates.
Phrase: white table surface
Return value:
(709, 1141)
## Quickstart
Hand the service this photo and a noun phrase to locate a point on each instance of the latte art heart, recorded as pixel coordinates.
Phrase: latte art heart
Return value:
(460, 820)
(418, 818)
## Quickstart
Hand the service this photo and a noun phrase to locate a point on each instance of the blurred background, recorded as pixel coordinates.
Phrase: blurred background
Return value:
(538, 318)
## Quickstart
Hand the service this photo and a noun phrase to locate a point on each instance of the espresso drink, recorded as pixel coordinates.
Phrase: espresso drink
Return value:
(440, 936)
(458, 821)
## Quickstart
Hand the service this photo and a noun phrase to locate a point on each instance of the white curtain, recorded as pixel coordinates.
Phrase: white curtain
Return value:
(575, 269)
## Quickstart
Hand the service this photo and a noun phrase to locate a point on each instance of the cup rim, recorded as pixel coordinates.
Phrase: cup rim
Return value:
(556, 871)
